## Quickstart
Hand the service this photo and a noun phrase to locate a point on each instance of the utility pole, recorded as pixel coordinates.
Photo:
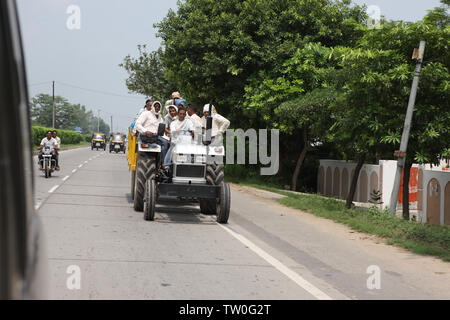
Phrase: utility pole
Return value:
(401, 154)
(53, 106)
(111, 130)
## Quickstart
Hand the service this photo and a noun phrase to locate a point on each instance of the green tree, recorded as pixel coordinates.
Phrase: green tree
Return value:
(212, 49)
(430, 133)
(146, 74)
(67, 115)
(301, 97)
(376, 78)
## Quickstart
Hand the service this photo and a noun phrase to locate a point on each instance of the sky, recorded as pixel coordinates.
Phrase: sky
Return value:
(84, 59)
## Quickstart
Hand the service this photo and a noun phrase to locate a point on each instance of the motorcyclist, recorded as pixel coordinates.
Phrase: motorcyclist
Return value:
(50, 142)
(148, 123)
(58, 140)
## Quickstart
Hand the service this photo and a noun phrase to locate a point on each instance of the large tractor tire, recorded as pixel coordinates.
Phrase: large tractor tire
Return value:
(133, 183)
(150, 200)
(223, 207)
(214, 176)
(145, 169)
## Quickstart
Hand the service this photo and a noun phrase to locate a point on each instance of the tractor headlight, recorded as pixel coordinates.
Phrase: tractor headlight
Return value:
(181, 158)
(200, 159)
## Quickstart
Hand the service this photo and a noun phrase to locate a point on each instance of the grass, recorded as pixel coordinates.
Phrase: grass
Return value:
(417, 237)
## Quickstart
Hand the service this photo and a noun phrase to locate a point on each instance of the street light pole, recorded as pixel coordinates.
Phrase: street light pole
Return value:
(53, 106)
(401, 154)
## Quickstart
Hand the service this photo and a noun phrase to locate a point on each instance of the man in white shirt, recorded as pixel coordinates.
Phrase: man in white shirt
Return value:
(182, 123)
(58, 140)
(148, 123)
(175, 95)
(192, 115)
(51, 143)
(219, 124)
(147, 106)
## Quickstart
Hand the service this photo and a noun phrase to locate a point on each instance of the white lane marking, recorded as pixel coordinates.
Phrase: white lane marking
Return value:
(85, 162)
(53, 189)
(74, 170)
(65, 178)
(80, 166)
(37, 206)
(316, 292)
(90, 159)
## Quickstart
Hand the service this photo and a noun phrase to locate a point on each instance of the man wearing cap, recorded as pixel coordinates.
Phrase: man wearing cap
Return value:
(180, 103)
(175, 95)
(219, 123)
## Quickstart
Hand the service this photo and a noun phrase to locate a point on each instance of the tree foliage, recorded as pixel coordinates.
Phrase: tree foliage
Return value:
(67, 115)
(310, 68)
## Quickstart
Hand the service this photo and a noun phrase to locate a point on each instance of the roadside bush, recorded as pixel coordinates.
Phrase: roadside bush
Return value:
(66, 136)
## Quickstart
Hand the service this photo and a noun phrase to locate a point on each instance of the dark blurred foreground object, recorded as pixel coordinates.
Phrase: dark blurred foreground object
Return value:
(22, 260)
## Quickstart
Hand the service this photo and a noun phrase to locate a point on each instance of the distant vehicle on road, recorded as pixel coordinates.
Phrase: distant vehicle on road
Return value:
(98, 141)
(48, 164)
(117, 143)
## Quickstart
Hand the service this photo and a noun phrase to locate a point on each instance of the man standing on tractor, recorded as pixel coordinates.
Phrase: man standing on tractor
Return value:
(148, 122)
(175, 95)
(219, 124)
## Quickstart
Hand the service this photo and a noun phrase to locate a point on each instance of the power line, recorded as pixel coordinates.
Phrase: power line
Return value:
(85, 89)
(39, 84)
(97, 91)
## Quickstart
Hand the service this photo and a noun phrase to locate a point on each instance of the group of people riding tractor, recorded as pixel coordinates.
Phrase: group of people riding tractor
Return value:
(180, 117)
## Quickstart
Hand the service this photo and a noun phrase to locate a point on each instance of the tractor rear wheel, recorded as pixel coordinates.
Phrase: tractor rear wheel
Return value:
(145, 169)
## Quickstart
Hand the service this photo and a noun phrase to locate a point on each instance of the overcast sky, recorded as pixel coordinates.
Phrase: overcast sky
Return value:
(88, 57)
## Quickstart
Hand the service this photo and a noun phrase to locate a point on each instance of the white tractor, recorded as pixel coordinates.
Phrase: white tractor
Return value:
(196, 171)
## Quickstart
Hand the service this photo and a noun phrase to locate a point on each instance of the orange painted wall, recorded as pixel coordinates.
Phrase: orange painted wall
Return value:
(413, 180)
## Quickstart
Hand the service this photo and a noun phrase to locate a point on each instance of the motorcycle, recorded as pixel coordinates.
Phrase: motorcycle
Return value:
(48, 165)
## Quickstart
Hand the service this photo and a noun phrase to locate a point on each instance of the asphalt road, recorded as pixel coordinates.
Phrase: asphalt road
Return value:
(266, 251)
